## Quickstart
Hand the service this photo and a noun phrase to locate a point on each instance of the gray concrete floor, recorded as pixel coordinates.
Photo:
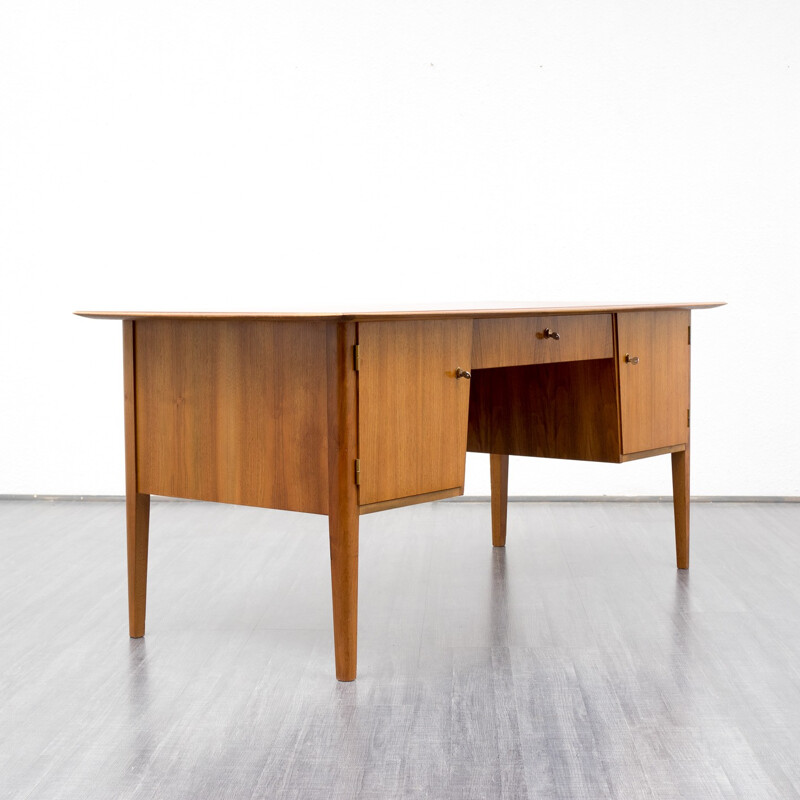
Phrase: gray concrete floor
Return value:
(576, 663)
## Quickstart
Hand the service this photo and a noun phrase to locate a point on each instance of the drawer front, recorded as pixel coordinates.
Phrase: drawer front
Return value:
(515, 341)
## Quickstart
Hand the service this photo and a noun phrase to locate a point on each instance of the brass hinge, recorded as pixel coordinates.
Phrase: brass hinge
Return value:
(356, 358)
(690, 334)
(688, 417)
(358, 472)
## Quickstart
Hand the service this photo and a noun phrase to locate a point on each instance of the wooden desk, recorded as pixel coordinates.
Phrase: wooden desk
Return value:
(346, 414)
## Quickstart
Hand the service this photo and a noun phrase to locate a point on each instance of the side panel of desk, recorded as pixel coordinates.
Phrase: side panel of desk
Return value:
(233, 411)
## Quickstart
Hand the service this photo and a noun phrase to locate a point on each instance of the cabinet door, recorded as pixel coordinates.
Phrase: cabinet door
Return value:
(654, 391)
(412, 410)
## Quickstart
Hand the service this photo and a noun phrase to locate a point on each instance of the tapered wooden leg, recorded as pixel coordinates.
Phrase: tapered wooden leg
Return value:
(343, 526)
(343, 495)
(138, 519)
(680, 501)
(137, 505)
(498, 468)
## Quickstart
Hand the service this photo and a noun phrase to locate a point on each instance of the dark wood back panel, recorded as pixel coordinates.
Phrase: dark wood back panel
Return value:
(566, 410)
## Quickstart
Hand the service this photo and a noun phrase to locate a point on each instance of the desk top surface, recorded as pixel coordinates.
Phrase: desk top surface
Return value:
(461, 311)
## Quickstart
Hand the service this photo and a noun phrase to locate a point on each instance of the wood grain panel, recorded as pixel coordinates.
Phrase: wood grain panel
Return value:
(513, 342)
(233, 411)
(564, 410)
(654, 393)
(412, 408)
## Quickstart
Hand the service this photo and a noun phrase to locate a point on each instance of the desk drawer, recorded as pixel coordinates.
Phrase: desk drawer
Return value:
(515, 341)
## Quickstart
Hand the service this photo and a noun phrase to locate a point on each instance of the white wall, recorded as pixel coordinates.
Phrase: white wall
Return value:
(262, 155)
